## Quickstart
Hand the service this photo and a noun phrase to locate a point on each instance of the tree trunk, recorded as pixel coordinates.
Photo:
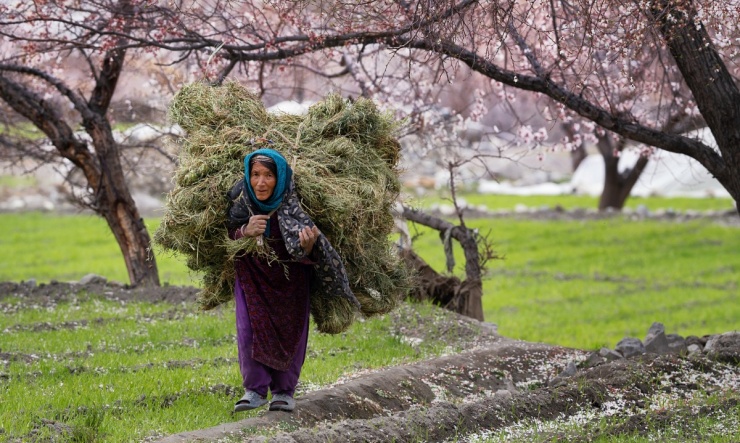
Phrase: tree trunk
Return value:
(110, 196)
(617, 185)
(442, 290)
(101, 165)
(112, 199)
(133, 239)
(714, 88)
(468, 300)
(115, 204)
(577, 156)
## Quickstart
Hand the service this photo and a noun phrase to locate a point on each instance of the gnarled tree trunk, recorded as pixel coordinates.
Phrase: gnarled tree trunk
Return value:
(99, 160)
(114, 203)
(464, 297)
(617, 185)
(714, 89)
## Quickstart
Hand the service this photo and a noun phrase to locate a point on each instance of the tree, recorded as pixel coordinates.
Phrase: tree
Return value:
(464, 297)
(70, 54)
(60, 68)
(670, 56)
(636, 69)
(39, 36)
(644, 71)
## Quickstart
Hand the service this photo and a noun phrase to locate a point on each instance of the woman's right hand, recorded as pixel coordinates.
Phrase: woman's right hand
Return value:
(256, 226)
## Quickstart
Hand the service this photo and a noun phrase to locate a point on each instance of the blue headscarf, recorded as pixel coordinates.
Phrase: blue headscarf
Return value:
(284, 176)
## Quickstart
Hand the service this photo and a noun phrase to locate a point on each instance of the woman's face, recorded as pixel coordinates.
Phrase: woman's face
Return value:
(263, 181)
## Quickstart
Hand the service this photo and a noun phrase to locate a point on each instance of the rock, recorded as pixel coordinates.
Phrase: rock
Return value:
(724, 347)
(90, 279)
(31, 283)
(642, 211)
(118, 284)
(693, 349)
(610, 355)
(569, 371)
(629, 347)
(656, 328)
(676, 343)
(694, 340)
(594, 359)
(503, 394)
(656, 341)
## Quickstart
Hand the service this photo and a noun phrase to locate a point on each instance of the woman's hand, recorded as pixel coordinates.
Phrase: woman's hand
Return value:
(308, 237)
(256, 226)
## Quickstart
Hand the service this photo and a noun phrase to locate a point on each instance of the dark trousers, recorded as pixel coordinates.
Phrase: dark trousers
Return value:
(255, 375)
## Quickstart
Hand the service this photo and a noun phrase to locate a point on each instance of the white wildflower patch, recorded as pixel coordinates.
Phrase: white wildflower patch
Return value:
(617, 407)
(530, 429)
(528, 385)
(547, 365)
(480, 396)
(411, 341)
(439, 391)
(697, 385)
(684, 391)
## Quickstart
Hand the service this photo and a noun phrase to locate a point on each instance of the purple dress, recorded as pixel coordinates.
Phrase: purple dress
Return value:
(272, 312)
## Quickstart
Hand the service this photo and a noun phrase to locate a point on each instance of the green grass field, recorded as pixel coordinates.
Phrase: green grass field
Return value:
(138, 370)
(143, 370)
(583, 284)
(509, 202)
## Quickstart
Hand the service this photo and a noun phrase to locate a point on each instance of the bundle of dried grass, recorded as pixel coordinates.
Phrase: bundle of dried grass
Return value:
(344, 156)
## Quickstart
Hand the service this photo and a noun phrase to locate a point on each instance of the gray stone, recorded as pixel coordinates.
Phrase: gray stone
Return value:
(594, 359)
(570, 370)
(610, 355)
(656, 341)
(656, 328)
(118, 284)
(92, 279)
(709, 345)
(629, 347)
(503, 394)
(724, 347)
(694, 340)
(693, 349)
(31, 282)
(676, 343)
(642, 211)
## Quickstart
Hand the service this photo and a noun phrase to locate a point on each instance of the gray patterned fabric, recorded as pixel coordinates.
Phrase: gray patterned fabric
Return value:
(330, 275)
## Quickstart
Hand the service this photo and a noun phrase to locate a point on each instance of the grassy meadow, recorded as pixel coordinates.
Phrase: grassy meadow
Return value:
(143, 370)
(91, 369)
(583, 284)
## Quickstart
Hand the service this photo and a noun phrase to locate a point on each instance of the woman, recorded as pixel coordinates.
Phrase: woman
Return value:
(272, 297)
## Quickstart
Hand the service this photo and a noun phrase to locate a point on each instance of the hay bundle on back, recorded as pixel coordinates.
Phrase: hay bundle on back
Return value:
(344, 157)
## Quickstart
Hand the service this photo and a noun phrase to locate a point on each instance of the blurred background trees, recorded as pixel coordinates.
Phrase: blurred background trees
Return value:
(476, 80)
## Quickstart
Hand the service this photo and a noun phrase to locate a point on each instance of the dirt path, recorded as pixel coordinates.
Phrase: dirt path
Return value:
(419, 390)
(484, 389)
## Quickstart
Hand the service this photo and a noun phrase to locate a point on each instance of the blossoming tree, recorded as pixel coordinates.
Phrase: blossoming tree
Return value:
(644, 70)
